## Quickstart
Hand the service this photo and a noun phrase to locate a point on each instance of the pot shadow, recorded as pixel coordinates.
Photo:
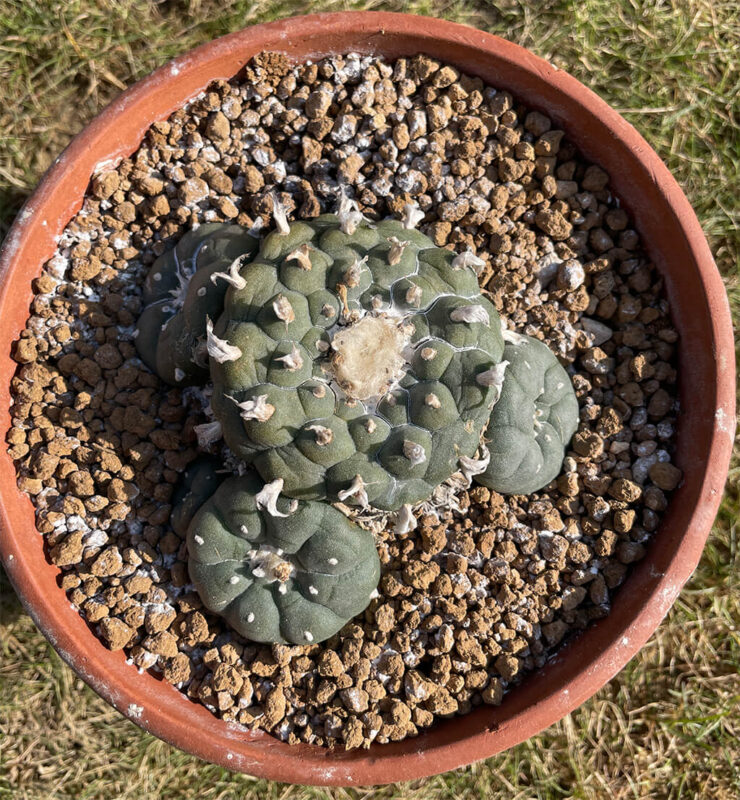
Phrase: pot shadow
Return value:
(10, 606)
(11, 200)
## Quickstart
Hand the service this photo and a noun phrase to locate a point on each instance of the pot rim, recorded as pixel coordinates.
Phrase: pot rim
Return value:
(584, 664)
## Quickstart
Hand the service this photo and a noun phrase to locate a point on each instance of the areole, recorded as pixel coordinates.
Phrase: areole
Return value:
(700, 311)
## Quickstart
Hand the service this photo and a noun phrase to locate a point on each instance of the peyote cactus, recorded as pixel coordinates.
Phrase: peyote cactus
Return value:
(198, 483)
(184, 288)
(353, 361)
(278, 570)
(533, 421)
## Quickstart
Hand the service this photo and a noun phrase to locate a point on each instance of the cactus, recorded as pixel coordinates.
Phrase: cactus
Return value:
(355, 362)
(278, 571)
(198, 483)
(186, 286)
(532, 422)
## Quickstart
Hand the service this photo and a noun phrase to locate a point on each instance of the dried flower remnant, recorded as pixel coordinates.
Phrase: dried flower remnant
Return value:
(231, 276)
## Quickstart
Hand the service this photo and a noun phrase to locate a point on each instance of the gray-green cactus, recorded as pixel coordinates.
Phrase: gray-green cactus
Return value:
(184, 288)
(357, 361)
(278, 570)
(532, 422)
(197, 484)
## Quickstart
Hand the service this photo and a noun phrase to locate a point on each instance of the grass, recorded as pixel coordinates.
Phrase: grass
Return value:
(669, 725)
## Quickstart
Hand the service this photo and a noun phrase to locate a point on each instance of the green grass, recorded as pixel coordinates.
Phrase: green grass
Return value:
(668, 725)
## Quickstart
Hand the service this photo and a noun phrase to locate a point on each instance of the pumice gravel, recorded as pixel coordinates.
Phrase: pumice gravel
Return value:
(476, 589)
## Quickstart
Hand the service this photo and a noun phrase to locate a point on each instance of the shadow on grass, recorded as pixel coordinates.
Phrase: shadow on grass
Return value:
(10, 606)
(11, 200)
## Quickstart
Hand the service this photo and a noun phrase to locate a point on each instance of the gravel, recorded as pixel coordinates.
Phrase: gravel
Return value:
(477, 590)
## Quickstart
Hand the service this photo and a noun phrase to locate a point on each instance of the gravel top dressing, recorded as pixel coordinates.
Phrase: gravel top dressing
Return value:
(477, 589)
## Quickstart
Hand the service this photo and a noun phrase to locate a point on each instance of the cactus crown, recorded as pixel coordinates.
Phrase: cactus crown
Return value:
(355, 362)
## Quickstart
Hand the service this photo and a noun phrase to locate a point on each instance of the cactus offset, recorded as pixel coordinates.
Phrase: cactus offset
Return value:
(198, 483)
(278, 570)
(184, 288)
(533, 420)
(358, 352)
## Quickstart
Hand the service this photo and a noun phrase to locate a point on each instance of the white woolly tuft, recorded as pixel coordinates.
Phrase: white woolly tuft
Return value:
(537, 421)
(412, 216)
(267, 498)
(493, 377)
(208, 433)
(219, 349)
(181, 291)
(405, 520)
(257, 408)
(355, 490)
(468, 259)
(472, 313)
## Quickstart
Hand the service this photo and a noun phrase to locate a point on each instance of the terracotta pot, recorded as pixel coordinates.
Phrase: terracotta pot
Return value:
(700, 311)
